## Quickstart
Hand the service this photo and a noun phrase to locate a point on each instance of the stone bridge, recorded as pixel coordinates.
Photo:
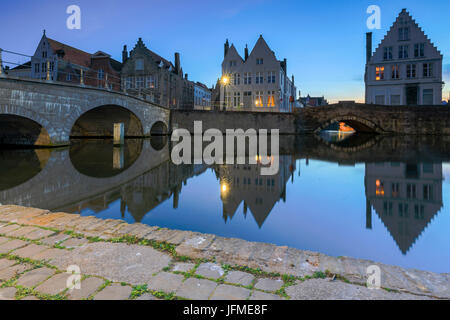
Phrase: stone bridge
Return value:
(43, 113)
(415, 120)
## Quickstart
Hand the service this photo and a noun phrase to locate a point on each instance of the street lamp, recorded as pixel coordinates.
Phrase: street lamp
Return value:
(225, 81)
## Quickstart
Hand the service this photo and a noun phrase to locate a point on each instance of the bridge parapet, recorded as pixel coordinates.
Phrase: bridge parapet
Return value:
(57, 106)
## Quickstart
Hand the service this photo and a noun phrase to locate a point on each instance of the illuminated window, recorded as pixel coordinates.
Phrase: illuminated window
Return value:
(259, 99)
(271, 99)
(150, 82)
(379, 73)
(379, 188)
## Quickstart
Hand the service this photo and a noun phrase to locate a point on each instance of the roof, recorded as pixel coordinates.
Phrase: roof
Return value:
(26, 65)
(71, 54)
(157, 58)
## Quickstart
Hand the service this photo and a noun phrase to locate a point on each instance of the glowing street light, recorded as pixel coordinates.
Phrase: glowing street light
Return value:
(225, 82)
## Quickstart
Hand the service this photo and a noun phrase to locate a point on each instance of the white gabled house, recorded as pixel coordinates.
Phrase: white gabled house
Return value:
(257, 82)
(406, 68)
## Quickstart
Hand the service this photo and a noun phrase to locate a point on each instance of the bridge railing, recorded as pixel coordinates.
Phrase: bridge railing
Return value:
(82, 76)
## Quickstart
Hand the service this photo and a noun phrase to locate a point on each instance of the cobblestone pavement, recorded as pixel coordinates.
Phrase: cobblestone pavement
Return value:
(42, 254)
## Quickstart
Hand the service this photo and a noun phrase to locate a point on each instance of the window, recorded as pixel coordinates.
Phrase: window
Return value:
(44, 54)
(259, 99)
(411, 191)
(403, 34)
(139, 82)
(411, 71)
(101, 74)
(395, 72)
(237, 99)
(419, 50)
(271, 77)
(36, 67)
(69, 77)
(271, 99)
(232, 63)
(427, 70)
(395, 100)
(259, 78)
(247, 78)
(139, 65)
(395, 190)
(52, 66)
(380, 99)
(379, 191)
(44, 67)
(259, 61)
(427, 97)
(379, 73)
(129, 83)
(237, 79)
(228, 99)
(428, 192)
(403, 52)
(150, 82)
(387, 53)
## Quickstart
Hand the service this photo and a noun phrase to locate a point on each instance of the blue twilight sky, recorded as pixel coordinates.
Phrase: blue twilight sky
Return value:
(323, 40)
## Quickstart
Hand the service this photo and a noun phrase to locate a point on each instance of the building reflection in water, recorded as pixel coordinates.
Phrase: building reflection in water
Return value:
(244, 183)
(406, 197)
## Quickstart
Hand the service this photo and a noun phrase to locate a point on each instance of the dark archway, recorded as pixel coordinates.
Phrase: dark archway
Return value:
(20, 131)
(98, 158)
(360, 125)
(99, 123)
(159, 128)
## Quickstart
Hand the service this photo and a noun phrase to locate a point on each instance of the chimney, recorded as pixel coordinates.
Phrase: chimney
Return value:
(186, 76)
(246, 52)
(177, 63)
(226, 46)
(124, 54)
(368, 46)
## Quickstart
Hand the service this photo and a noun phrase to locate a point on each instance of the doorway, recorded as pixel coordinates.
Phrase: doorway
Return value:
(412, 94)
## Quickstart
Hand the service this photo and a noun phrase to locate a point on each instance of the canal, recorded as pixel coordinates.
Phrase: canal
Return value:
(378, 198)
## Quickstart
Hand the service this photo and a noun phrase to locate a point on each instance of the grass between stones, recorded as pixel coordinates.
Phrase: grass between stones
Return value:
(139, 290)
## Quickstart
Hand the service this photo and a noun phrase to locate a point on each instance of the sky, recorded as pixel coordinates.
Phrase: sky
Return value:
(323, 40)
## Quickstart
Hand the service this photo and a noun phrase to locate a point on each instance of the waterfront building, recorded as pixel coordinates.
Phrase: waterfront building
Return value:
(202, 97)
(20, 71)
(69, 64)
(406, 68)
(406, 197)
(313, 101)
(257, 82)
(148, 75)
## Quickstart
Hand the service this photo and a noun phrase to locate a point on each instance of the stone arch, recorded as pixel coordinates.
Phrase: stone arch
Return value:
(99, 122)
(24, 127)
(159, 128)
(360, 125)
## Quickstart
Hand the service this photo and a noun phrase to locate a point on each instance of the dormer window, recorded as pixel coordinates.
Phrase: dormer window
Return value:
(259, 61)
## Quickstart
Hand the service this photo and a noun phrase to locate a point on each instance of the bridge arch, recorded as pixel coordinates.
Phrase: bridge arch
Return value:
(22, 127)
(360, 124)
(99, 122)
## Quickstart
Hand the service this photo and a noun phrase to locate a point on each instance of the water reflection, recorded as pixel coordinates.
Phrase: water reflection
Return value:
(406, 197)
(245, 184)
(392, 181)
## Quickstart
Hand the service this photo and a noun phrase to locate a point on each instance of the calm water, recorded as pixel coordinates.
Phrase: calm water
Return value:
(367, 197)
